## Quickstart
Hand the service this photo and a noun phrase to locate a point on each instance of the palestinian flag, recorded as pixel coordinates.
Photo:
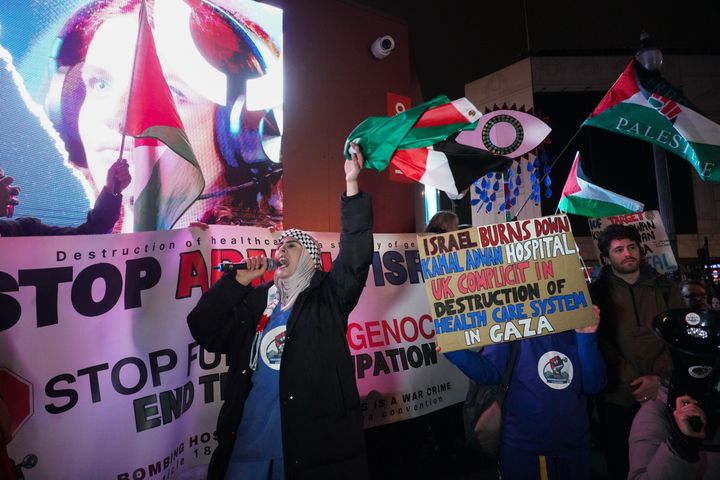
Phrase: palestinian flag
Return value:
(416, 142)
(448, 166)
(641, 104)
(166, 174)
(581, 197)
(418, 127)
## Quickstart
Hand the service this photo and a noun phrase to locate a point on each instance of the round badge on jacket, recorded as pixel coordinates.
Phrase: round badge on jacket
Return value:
(555, 370)
(272, 346)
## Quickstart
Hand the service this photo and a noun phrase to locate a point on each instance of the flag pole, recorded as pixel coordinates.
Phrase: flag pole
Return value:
(130, 88)
(557, 157)
(651, 58)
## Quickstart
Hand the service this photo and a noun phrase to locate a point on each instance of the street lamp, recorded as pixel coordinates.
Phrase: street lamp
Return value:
(651, 58)
(649, 55)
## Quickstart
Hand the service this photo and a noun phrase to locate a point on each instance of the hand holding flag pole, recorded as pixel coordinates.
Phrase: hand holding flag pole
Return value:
(353, 166)
(168, 178)
(141, 25)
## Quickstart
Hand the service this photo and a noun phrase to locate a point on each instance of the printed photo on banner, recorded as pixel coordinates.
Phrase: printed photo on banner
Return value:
(654, 241)
(503, 282)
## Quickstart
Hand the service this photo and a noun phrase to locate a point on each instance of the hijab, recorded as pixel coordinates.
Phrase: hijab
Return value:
(309, 262)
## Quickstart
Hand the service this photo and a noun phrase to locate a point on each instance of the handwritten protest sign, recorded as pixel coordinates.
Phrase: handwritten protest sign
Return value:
(653, 237)
(503, 282)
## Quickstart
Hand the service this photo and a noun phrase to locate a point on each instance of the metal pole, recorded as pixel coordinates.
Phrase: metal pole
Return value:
(662, 182)
(651, 58)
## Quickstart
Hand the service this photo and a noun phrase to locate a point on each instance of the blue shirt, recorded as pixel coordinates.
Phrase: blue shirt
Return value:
(545, 409)
(258, 453)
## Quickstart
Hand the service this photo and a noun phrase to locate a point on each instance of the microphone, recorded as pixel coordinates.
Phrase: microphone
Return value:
(232, 267)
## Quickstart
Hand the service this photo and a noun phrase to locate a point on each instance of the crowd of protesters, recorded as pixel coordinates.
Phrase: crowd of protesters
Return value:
(657, 416)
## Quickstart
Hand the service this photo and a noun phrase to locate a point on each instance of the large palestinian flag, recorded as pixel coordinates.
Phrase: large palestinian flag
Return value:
(166, 174)
(641, 104)
(581, 197)
(416, 142)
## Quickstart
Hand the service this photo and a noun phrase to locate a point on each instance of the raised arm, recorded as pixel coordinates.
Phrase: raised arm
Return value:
(350, 269)
(352, 170)
(101, 219)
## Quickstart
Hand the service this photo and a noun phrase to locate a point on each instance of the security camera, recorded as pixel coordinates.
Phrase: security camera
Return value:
(382, 46)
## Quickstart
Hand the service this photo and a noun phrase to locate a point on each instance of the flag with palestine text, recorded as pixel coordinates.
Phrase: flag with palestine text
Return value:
(167, 176)
(581, 197)
(642, 105)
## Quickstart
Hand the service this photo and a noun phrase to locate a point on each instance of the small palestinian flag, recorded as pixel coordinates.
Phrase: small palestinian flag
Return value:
(166, 174)
(416, 142)
(641, 104)
(581, 197)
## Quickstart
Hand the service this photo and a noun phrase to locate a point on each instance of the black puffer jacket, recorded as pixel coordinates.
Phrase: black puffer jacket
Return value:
(319, 403)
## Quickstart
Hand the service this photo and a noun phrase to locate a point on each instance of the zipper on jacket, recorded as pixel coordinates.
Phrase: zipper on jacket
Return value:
(632, 296)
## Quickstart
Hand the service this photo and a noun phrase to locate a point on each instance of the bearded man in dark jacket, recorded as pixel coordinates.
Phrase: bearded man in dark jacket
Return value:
(292, 408)
(630, 293)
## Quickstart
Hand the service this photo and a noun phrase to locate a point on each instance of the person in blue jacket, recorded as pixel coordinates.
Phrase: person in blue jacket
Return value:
(545, 424)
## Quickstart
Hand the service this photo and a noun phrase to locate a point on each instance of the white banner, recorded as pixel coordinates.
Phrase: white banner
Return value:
(104, 380)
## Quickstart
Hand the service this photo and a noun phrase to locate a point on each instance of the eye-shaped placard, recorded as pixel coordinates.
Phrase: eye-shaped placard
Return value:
(506, 132)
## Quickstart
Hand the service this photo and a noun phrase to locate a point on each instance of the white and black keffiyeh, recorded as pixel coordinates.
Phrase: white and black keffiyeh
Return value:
(309, 262)
(310, 244)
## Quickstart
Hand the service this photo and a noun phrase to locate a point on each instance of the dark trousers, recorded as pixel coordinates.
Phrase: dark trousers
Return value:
(518, 465)
(431, 446)
(616, 421)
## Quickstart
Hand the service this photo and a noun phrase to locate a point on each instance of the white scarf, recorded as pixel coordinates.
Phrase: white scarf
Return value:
(292, 286)
(287, 290)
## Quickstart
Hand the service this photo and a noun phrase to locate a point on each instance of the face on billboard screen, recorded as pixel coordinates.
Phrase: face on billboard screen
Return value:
(65, 84)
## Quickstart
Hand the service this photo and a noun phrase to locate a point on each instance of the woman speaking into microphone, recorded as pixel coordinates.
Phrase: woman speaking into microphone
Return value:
(291, 407)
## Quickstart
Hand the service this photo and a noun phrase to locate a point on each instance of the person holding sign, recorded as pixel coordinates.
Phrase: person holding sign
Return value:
(292, 408)
(630, 293)
(545, 430)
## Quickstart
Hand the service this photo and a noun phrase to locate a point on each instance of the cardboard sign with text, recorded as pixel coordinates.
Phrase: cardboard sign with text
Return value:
(503, 282)
(653, 237)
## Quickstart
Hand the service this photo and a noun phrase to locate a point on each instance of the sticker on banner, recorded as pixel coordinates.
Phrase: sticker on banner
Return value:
(555, 370)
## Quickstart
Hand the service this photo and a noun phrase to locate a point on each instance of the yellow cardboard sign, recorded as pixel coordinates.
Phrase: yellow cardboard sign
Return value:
(503, 282)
